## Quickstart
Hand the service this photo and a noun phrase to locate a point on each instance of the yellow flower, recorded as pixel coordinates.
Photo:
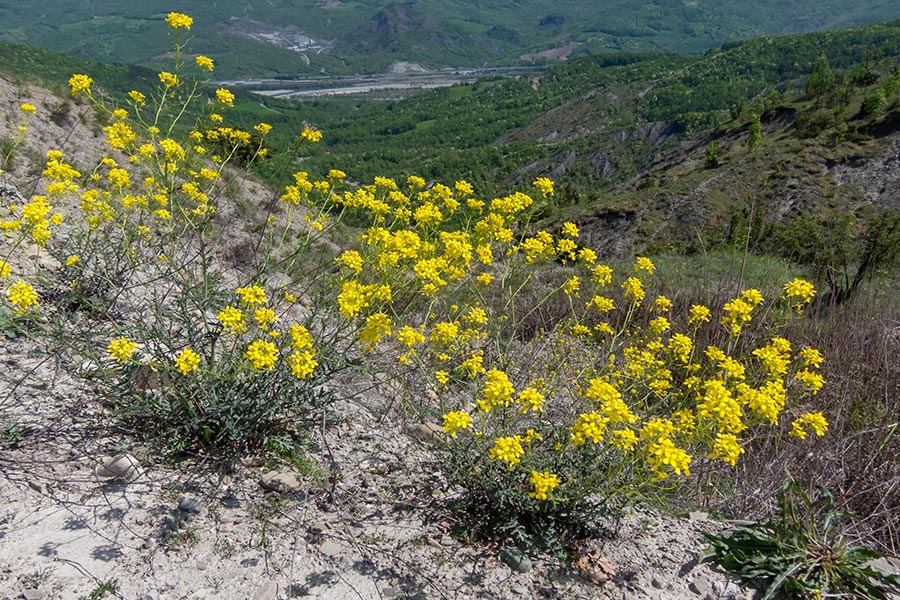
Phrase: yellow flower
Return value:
(265, 317)
(474, 365)
(301, 338)
(602, 274)
(22, 296)
(409, 336)
(814, 421)
(644, 264)
(137, 97)
(302, 363)
(80, 83)
(497, 390)
(442, 376)
(569, 229)
(727, 448)
(810, 380)
(377, 326)
(5, 269)
(168, 79)
(624, 439)
(352, 260)
(485, 279)
(589, 426)
(352, 298)
(456, 420)
(204, 62)
(28, 108)
(225, 97)
(811, 357)
(179, 20)
(232, 319)
(70, 261)
(508, 450)
(186, 361)
(570, 287)
(262, 354)
(543, 483)
(799, 292)
(311, 134)
(659, 325)
(544, 185)
(662, 454)
(121, 349)
(699, 314)
(252, 295)
(530, 399)
(634, 289)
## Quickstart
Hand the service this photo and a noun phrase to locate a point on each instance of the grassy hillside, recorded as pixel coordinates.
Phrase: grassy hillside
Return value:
(251, 38)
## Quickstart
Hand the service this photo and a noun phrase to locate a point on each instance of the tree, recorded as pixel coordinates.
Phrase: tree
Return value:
(754, 136)
(712, 155)
(821, 79)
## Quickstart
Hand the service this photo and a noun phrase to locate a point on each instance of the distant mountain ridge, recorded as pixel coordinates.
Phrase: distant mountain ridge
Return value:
(369, 35)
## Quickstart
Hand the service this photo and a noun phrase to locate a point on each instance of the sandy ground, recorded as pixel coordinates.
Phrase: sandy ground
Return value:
(376, 527)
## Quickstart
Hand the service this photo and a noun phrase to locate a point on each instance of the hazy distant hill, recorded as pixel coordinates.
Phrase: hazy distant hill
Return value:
(284, 37)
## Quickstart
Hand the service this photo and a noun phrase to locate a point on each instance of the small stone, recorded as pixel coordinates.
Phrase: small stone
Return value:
(657, 583)
(519, 590)
(202, 564)
(36, 486)
(698, 515)
(148, 378)
(700, 585)
(888, 566)
(266, 591)
(281, 481)
(149, 596)
(318, 527)
(429, 432)
(33, 594)
(390, 592)
(190, 503)
(515, 559)
(332, 548)
(726, 589)
(121, 466)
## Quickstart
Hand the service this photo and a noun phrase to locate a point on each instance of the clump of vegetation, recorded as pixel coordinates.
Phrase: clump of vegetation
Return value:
(803, 553)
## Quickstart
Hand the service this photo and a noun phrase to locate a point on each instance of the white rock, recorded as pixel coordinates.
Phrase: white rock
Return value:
(120, 466)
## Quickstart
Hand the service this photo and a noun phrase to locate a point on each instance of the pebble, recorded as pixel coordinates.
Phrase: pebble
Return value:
(700, 585)
(33, 594)
(332, 548)
(429, 432)
(520, 590)
(121, 466)
(266, 591)
(281, 481)
(190, 503)
(515, 559)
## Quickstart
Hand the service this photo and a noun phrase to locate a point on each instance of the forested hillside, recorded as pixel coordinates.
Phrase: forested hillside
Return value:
(279, 38)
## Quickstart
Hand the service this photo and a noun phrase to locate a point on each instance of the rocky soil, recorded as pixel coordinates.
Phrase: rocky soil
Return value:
(81, 504)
